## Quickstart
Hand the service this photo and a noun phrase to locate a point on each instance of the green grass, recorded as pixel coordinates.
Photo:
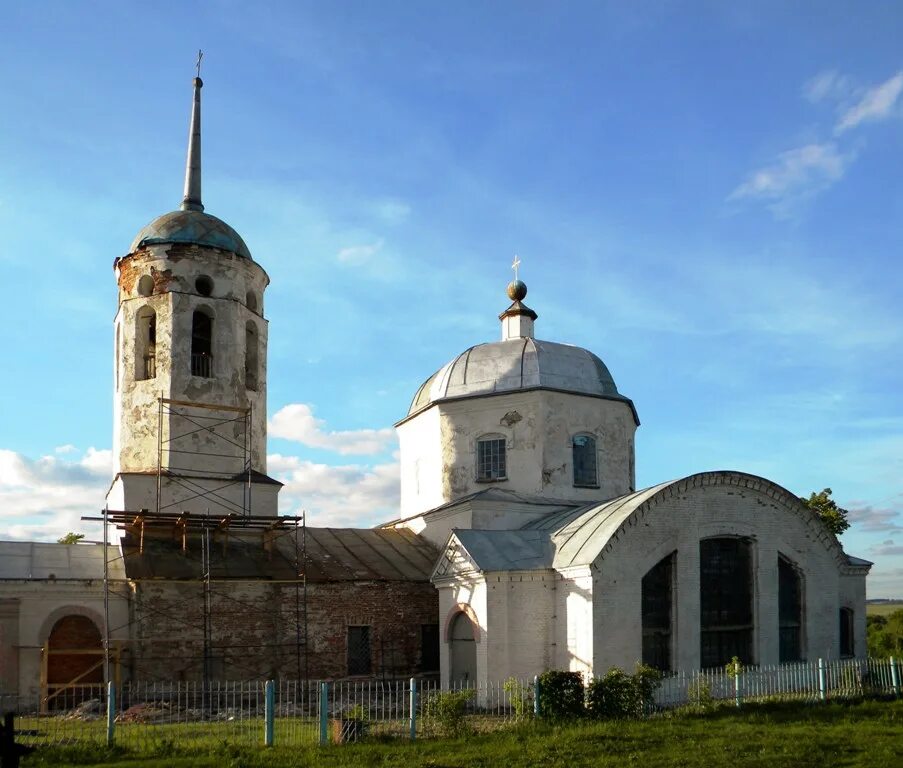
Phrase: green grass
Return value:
(836, 734)
(883, 609)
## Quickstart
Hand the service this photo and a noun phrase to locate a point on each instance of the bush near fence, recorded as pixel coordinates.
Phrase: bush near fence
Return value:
(195, 717)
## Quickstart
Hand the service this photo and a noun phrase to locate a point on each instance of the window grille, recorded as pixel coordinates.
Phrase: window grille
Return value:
(725, 595)
(656, 604)
(429, 647)
(847, 645)
(584, 452)
(790, 605)
(359, 658)
(491, 459)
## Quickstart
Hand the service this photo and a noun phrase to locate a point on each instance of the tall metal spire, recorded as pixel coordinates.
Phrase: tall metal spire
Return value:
(191, 201)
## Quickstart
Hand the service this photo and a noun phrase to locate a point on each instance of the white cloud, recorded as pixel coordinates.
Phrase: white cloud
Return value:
(795, 174)
(828, 84)
(875, 104)
(65, 449)
(359, 254)
(297, 422)
(392, 211)
(869, 519)
(348, 495)
(45, 498)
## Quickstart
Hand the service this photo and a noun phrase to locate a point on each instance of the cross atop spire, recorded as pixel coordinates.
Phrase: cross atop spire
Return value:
(191, 200)
(514, 265)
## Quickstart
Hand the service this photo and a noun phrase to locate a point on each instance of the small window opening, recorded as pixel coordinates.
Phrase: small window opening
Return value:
(251, 356)
(657, 597)
(491, 463)
(790, 610)
(204, 285)
(584, 453)
(847, 640)
(145, 285)
(251, 301)
(145, 344)
(359, 657)
(429, 647)
(201, 344)
(725, 595)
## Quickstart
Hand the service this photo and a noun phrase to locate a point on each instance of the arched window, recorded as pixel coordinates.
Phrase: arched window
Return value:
(251, 356)
(251, 301)
(201, 344)
(491, 463)
(790, 611)
(657, 598)
(145, 344)
(847, 638)
(584, 453)
(726, 601)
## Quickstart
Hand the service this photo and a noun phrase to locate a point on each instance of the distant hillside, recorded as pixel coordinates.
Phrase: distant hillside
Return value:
(882, 607)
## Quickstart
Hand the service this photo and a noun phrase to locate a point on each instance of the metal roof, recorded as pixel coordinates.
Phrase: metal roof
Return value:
(38, 560)
(192, 227)
(519, 364)
(522, 550)
(324, 554)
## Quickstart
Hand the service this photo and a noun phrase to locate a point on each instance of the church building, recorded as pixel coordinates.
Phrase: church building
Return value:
(522, 543)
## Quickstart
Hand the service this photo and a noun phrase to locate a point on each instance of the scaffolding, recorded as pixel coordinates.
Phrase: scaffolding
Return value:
(215, 436)
(140, 527)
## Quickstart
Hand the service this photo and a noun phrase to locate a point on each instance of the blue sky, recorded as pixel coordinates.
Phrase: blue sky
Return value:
(707, 195)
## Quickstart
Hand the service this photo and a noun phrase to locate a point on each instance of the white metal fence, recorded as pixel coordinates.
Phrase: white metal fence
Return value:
(191, 715)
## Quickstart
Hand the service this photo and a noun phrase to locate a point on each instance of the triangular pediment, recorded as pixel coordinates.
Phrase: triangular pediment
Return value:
(454, 560)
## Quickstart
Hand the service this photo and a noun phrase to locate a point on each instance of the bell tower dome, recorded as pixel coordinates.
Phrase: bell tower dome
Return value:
(190, 356)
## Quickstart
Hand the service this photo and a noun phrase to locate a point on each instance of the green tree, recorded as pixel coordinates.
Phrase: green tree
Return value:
(885, 635)
(826, 508)
(70, 538)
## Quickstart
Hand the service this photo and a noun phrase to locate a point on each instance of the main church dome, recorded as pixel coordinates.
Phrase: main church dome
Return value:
(518, 362)
(195, 227)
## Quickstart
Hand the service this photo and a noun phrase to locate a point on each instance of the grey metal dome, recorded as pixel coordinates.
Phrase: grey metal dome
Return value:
(194, 227)
(518, 364)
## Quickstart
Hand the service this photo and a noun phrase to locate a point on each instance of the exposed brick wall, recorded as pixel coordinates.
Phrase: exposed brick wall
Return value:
(253, 628)
(74, 633)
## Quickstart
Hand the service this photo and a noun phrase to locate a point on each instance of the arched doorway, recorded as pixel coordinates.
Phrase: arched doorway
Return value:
(73, 662)
(462, 651)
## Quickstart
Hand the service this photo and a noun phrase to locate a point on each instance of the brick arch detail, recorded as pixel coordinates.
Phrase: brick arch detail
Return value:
(69, 610)
(755, 483)
(467, 611)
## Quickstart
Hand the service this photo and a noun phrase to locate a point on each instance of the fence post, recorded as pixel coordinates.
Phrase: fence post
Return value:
(111, 711)
(413, 709)
(269, 705)
(737, 675)
(894, 676)
(324, 714)
(822, 680)
(536, 696)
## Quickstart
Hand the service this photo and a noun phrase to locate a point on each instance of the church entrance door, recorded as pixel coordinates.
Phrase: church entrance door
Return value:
(463, 652)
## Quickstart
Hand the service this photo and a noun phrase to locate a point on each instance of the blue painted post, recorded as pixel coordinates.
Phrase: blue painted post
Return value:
(737, 674)
(536, 696)
(413, 709)
(894, 676)
(111, 712)
(822, 680)
(324, 714)
(269, 707)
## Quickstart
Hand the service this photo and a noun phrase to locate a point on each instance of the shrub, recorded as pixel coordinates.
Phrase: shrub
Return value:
(699, 695)
(560, 694)
(521, 697)
(619, 695)
(448, 709)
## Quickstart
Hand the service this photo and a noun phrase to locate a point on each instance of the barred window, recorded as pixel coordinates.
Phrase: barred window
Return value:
(584, 453)
(359, 659)
(491, 458)
(790, 610)
(725, 596)
(847, 645)
(657, 589)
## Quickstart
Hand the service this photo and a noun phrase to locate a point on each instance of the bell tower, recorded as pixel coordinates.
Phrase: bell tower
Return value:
(190, 353)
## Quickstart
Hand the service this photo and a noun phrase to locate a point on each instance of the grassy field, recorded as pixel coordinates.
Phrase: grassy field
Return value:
(835, 734)
(883, 609)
